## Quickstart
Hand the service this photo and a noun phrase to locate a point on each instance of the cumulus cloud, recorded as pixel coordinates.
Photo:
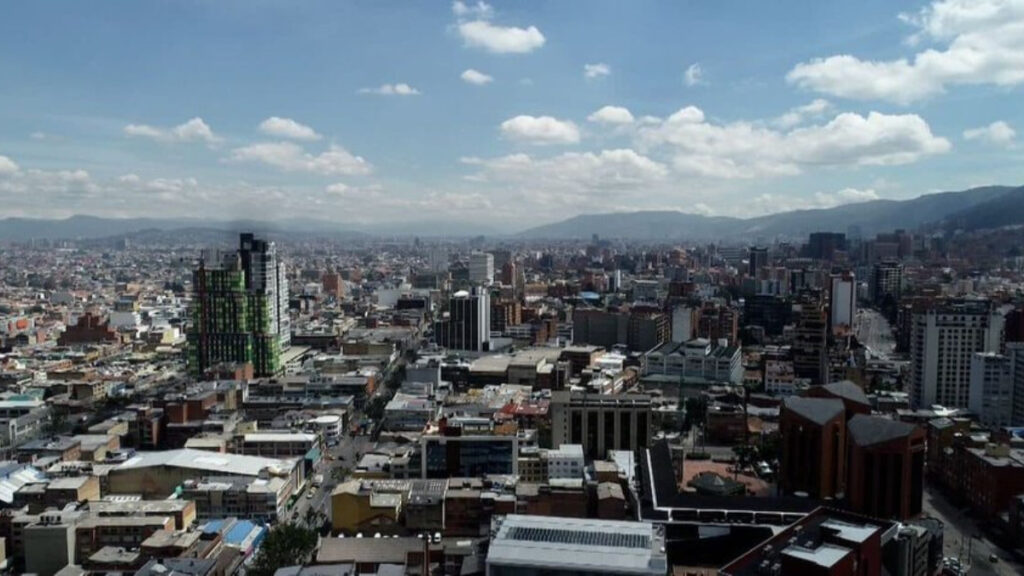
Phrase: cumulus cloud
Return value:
(607, 171)
(596, 70)
(287, 128)
(977, 42)
(844, 196)
(480, 10)
(801, 114)
(474, 26)
(193, 130)
(500, 39)
(612, 115)
(999, 133)
(748, 150)
(540, 130)
(400, 89)
(471, 76)
(7, 166)
(340, 189)
(290, 157)
(694, 75)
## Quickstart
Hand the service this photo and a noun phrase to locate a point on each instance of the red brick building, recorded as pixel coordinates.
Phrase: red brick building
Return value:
(886, 467)
(813, 433)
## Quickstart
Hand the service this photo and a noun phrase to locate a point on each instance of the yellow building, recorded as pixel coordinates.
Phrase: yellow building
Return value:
(360, 506)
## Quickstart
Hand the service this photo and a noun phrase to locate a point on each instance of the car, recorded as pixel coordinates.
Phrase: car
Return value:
(309, 494)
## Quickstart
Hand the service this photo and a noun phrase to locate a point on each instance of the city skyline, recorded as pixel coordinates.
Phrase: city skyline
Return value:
(366, 112)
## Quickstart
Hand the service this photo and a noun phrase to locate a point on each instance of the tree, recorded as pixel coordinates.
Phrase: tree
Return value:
(285, 545)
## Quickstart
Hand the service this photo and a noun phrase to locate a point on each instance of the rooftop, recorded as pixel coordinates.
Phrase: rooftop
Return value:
(206, 461)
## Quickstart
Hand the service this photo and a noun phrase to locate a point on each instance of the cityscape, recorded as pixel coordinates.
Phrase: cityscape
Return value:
(507, 301)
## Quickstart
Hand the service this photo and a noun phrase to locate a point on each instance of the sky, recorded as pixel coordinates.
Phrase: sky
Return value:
(508, 114)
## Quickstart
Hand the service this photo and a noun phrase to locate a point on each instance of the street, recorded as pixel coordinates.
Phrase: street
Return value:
(963, 539)
(337, 461)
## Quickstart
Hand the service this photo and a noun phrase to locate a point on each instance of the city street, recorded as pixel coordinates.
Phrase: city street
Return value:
(963, 539)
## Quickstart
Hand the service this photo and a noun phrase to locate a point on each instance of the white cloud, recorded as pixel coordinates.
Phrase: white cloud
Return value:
(193, 130)
(129, 179)
(287, 128)
(480, 10)
(596, 70)
(471, 76)
(500, 39)
(540, 130)
(612, 115)
(748, 150)
(978, 42)
(400, 89)
(694, 75)
(844, 196)
(7, 166)
(606, 172)
(800, 114)
(998, 132)
(288, 156)
(340, 189)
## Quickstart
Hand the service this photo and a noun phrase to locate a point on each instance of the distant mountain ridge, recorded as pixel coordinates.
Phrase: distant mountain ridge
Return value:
(974, 209)
(980, 207)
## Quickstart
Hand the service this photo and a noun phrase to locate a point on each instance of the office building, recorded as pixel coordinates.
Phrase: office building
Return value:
(991, 389)
(810, 344)
(757, 260)
(1015, 351)
(637, 330)
(467, 325)
(886, 281)
(886, 467)
(843, 301)
(239, 312)
(944, 339)
(481, 268)
(813, 433)
(824, 245)
(530, 545)
(600, 422)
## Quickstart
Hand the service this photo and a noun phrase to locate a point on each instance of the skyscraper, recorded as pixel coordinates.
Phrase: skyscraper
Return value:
(239, 311)
(843, 300)
(886, 281)
(468, 323)
(481, 268)
(943, 341)
(758, 259)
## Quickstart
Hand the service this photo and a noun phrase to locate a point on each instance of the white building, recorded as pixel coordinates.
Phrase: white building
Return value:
(843, 303)
(943, 342)
(481, 268)
(529, 545)
(991, 394)
(565, 462)
(683, 323)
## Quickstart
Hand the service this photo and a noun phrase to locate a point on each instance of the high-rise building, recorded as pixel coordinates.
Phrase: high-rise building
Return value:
(239, 311)
(481, 268)
(758, 259)
(813, 433)
(991, 388)
(684, 321)
(886, 281)
(886, 467)
(943, 341)
(824, 245)
(810, 344)
(1015, 350)
(468, 323)
(843, 300)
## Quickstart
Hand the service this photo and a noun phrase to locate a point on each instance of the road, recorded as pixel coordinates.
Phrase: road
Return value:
(337, 461)
(963, 539)
(874, 332)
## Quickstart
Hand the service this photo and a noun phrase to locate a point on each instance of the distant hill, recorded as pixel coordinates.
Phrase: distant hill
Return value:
(1004, 210)
(872, 217)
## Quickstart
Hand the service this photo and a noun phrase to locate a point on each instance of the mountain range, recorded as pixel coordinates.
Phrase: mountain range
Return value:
(976, 208)
(985, 207)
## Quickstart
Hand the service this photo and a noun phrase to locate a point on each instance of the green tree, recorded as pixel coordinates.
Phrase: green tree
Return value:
(285, 545)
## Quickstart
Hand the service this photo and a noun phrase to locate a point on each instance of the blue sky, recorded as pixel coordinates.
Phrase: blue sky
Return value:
(506, 113)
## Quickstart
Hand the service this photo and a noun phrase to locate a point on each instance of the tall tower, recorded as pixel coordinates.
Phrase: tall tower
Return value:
(239, 311)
